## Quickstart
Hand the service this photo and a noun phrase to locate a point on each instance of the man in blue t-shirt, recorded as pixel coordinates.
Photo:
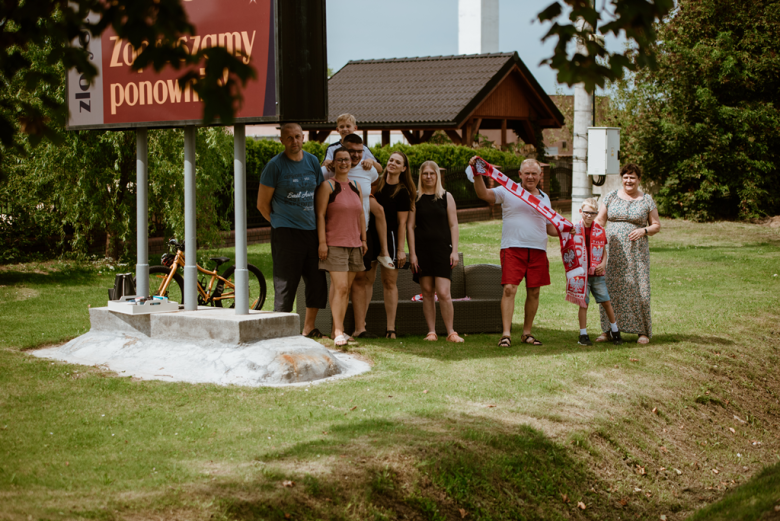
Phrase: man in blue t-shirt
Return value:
(286, 199)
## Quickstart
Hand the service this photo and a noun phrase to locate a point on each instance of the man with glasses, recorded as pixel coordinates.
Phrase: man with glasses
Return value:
(523, 247)
(286, 199)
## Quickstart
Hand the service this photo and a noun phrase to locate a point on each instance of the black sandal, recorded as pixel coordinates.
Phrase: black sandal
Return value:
(389, 332)
(534, 342)
(315, 333)
(505, 342)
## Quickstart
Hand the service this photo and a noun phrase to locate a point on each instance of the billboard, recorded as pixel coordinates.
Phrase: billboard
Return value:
(121, 97)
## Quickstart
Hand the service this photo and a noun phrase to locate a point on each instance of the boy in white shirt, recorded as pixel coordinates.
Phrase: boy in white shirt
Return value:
(346, 125)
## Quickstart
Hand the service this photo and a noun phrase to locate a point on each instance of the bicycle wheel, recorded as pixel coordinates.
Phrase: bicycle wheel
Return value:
(175, 290)
(225, 296)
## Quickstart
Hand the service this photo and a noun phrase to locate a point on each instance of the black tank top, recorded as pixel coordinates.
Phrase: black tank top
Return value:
(432, 227)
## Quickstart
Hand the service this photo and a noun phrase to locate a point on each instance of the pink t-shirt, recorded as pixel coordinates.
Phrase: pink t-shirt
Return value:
(342, 218)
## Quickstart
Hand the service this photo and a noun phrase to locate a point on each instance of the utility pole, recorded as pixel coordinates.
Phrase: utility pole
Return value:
(580, 183)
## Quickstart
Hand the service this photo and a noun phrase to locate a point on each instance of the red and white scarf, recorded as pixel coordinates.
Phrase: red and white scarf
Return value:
(598, 242)
(572, 244)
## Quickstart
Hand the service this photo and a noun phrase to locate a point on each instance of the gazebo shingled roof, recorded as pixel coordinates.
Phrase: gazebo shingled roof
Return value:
(449, 93)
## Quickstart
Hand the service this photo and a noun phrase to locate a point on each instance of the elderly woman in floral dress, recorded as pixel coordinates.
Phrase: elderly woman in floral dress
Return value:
(630, 217)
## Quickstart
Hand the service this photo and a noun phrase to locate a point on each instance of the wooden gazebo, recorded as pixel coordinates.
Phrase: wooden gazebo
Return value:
(459, 95)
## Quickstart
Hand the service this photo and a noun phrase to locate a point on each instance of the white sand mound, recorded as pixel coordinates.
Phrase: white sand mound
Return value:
(292, 360)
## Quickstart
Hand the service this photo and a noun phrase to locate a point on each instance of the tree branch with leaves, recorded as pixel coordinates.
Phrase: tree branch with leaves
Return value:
(54, 24)
(635, 19)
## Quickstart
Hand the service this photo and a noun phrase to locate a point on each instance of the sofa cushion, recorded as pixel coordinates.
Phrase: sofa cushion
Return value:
(483, 281)
(408, 288)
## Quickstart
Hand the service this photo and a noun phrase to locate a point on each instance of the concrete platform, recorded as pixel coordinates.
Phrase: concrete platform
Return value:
(207, 323)
(210, 345)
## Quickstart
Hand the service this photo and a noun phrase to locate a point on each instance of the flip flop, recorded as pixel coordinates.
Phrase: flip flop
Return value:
(431, 337)
(386, 262)
(340, 341)
(505, 342)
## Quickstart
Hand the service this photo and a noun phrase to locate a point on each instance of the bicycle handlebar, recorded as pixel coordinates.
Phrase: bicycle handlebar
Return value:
(179, 245)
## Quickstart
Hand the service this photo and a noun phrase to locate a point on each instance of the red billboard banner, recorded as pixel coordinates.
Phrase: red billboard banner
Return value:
(122, 97)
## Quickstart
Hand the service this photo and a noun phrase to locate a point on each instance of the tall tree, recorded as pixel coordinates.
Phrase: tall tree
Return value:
(705, 125)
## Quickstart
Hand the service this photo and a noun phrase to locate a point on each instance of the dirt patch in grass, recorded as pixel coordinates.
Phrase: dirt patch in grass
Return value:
(771, 222)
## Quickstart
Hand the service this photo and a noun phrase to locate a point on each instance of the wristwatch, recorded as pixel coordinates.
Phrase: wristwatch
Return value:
(646, 232)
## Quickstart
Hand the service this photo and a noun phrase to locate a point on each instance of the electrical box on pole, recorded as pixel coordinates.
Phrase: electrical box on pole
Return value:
(603, 151)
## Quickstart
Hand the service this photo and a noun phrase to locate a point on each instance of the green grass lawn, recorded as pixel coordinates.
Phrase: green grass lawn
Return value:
(434, 430)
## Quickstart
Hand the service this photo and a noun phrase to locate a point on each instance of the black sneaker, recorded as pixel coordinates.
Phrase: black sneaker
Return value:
(585, 341)
(616, 339)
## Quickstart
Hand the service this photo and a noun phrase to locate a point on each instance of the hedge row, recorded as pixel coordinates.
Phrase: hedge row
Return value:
(451, 157)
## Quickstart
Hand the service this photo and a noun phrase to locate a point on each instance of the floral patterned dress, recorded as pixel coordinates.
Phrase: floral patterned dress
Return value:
(628, 264)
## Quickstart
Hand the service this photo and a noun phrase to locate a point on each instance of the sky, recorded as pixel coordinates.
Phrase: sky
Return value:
(372, 29)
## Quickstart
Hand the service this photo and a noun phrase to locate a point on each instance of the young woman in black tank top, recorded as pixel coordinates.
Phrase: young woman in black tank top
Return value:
(396, 193)
(433, 248)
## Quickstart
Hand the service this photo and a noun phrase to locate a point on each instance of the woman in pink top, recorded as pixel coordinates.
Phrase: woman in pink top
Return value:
(341, 227)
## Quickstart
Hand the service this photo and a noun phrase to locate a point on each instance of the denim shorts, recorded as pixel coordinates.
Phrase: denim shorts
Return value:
(597, 286)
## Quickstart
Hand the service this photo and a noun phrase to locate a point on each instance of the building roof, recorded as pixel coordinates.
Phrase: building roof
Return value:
(431, 91)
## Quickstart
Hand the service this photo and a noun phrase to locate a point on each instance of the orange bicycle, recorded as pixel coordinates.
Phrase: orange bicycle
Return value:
(219, 292)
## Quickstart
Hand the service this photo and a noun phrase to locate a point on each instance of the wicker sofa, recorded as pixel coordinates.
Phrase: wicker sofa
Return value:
(481, 314)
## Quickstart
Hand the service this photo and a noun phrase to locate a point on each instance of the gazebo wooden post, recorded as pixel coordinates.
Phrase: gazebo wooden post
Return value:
(503, 134)
(454, 136)
(385, 138)
(475, 129)
(365, 137)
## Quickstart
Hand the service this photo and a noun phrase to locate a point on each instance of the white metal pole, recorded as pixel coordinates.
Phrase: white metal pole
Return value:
(241, 279)
(580, 183)
(142, 213)
(190, 234)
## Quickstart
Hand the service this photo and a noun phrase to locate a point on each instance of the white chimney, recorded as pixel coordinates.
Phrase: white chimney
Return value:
(477, 26)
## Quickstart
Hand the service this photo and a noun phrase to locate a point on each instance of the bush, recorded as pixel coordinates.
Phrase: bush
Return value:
(450, 157)
(260, 152)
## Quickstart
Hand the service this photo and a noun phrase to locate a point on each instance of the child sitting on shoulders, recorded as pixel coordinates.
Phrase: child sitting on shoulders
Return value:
(346, 124)
(596, 250)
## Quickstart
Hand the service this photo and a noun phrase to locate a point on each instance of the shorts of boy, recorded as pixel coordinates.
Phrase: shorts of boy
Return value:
(523, 247)
(286, 199)
(597, 284)
(346, 125)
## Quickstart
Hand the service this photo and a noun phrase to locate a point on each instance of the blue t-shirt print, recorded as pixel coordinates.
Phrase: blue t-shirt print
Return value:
(294, 184)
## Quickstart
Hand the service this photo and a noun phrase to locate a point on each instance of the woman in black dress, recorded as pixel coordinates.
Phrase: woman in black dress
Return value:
(433, 247)
(396, 193)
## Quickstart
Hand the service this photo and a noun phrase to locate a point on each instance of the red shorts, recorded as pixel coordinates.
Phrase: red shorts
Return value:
(525, 263)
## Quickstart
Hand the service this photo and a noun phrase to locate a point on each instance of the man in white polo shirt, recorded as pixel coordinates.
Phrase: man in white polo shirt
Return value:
(523, 247)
